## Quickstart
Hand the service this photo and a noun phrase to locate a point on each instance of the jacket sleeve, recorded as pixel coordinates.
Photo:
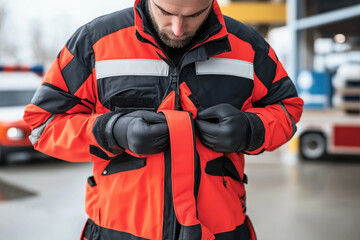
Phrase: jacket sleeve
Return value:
(275, 104)
(62, 112)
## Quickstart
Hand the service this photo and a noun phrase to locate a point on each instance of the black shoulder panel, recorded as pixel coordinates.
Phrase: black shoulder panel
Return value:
(110, 23)
(53, 99)
(282, 89)
(81, 44)
(239, 29)
(264, 66)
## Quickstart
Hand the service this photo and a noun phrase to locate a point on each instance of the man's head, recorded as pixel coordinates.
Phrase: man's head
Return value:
(177, 21)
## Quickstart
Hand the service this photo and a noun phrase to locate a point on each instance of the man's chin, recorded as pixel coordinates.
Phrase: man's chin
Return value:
(176, 42)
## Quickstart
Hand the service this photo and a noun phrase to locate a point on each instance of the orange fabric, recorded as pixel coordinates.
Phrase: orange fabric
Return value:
(272, 55)
(259, 90)
(182, 152)
(56, 142)
(243, 50)
(54, 76)
(132, 201)
(216, 201)
(130, 47)
(277, 125)
(168, 103)
(86, 90)
(182, 157)
(92, 207)
(280, 72)
(185, 101)
(34, 116)
(294, 107)
(65, 58)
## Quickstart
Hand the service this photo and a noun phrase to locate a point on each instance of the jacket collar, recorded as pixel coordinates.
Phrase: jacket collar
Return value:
(215, 30)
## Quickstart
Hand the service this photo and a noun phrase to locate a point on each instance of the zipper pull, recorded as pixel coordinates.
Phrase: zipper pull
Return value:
(174, 78)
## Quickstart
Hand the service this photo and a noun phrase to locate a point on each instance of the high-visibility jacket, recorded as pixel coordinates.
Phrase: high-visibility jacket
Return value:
(114, 63)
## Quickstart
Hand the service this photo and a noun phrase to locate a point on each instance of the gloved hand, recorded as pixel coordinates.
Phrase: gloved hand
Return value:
(223, 128)
(142, 132)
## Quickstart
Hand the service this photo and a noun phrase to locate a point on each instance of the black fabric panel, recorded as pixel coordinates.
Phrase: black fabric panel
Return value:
(80, 46)
(190, 232)
(282, 89)
(257, 133)
(222, 166)
(214, 89)
(110, 23)
(95, 232)
(53, 99)
(197, 173)
(98, 152)
(265, 69)
(133, 102)
(197, 167)
(249, 35)
(129, 86)
(240, 233)
(207, 50)
(122, 163)
(170, 224)
(245, 179)
(91, 231)
(195, 101)
(239, 29)
(75, 74)
(102, 131)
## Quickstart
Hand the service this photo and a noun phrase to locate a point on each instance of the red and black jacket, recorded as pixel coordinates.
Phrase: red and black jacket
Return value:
(114, 64)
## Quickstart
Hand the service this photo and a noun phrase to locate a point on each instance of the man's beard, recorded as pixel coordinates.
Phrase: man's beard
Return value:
(167, 40)
(174, 43)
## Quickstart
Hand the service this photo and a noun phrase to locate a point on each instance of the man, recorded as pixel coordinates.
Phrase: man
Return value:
(165, 98)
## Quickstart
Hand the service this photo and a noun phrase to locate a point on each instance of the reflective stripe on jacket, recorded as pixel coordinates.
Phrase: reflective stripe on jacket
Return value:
(188, 192)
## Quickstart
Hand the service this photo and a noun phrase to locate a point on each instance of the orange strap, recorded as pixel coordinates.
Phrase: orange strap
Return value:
(183, 169)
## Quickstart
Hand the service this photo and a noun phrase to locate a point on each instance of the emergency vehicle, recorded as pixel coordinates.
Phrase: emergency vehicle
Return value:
(334, 131)
(17, 87)
(330, 132)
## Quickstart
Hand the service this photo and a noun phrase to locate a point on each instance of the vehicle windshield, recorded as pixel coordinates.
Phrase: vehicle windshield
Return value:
(12, 98)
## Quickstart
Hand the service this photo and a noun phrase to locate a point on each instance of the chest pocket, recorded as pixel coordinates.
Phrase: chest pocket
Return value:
(130, 84)
(221, 80)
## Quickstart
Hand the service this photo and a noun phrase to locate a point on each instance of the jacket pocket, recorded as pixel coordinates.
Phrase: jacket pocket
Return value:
(129, 92)
(122, 163)
(222, 166)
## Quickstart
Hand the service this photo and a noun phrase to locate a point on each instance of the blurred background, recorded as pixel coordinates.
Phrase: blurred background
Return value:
(307, 189)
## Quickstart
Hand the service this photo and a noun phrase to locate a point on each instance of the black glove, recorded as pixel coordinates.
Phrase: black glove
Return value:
(223, 128)
(141, 132)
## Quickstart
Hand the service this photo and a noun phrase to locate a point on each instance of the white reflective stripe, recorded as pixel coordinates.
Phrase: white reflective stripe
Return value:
(37, 132)
(131, 67)
(225, 66)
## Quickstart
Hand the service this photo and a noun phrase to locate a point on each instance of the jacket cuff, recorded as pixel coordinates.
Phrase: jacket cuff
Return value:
(257, 134)
(102, 131)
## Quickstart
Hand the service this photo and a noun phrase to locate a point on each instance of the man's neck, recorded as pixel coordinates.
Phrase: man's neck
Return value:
(175, 54)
